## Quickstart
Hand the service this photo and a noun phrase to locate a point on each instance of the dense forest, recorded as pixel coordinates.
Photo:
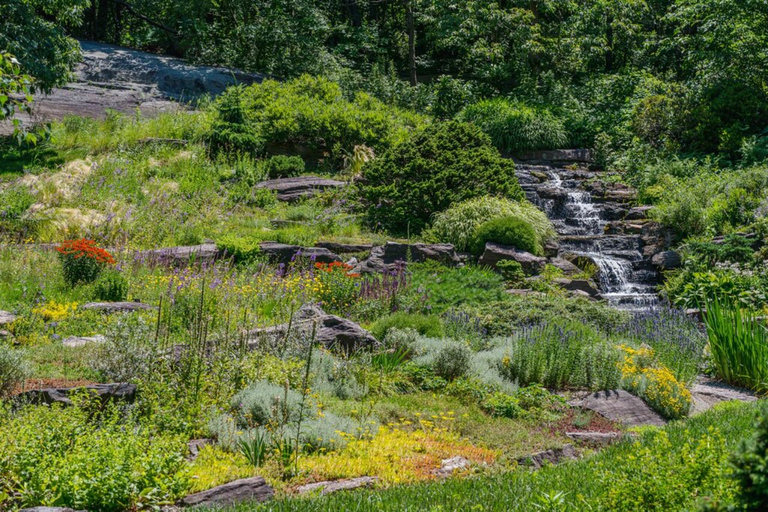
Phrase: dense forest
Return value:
(421, 254)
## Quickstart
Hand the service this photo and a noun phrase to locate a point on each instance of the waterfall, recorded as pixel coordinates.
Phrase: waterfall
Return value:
(623, 276)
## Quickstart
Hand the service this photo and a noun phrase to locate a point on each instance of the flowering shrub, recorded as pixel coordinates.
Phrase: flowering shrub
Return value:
(53, 311)
(82, 260)
(654, 383)
(337, 288)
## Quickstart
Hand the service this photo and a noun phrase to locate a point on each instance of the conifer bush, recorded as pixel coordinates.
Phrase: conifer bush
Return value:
(438, 166)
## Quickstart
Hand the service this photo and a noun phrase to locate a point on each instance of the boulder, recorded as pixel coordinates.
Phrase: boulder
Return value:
(622, 407)
(449, 466)
(105, 392)
(246, 489)
(332, 331)
(79, 341)
(284, 253)
(116, 307)
(494, 253)
(330, 486)
(294, 189)
(666, 260)
(342, 248)
(566, 266)
(6, 317)
(181, 256)
(578, 285)
(390, 256)
(553, 456)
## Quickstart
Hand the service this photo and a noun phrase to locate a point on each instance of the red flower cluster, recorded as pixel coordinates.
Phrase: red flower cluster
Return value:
(330, 267)
(85, 248)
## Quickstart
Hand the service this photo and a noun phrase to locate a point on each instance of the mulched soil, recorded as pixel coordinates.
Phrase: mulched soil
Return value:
(31, 384)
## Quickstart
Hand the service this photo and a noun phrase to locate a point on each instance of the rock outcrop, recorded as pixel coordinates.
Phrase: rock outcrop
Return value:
(330, 330)
(301, 187)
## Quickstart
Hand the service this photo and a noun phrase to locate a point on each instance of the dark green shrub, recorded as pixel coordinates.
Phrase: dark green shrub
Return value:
(426, 325)
(751, 467)
(439, 165)
(511, 270)
(282, 166)
(111, 286)
(452, 361)
(435, 288)
(506, 231)
(231, 132)
(514, 126)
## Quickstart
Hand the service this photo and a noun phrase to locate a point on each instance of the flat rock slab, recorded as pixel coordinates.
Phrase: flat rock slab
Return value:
(285, 253)
(246, 489)
(390, 256)
(622, 407)
(706, 393)
(331, 486)
(117, 307)
(182, 255)
(294, 189)
(105, 392)
(339, 247)
(7, 317)
(494, 253)
(80, 341)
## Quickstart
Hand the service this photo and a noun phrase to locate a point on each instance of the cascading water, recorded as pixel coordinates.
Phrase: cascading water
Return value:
(623, 275)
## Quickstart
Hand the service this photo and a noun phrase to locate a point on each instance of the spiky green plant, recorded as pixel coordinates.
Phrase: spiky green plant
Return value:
(738, 343)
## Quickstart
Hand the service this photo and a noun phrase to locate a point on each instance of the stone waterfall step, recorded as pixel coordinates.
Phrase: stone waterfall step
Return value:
(596, 222)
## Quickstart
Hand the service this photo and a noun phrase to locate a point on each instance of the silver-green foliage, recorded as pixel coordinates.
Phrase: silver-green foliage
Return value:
(457, 224)
(14, 368)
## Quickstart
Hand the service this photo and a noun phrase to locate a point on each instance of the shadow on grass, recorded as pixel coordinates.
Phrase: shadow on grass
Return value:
(15, 157)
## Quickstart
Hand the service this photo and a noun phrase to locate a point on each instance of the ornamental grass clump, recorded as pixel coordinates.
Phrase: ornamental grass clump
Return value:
(457, 224)
(738, 344)
(511, 231)
(82, 260)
